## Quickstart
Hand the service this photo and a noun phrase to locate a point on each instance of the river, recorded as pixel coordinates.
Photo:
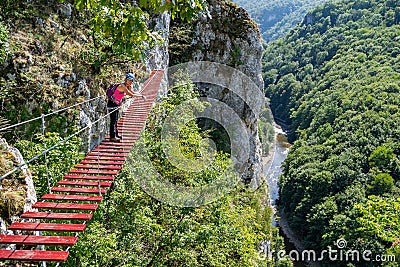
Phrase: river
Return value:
(272, 171)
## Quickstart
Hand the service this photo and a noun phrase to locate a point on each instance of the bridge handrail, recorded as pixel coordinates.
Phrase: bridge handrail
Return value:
(49, 114)
(54, 146)
(69, 137)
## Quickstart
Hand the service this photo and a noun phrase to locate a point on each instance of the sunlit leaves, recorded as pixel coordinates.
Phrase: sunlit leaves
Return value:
(125, 24)
(380, 217)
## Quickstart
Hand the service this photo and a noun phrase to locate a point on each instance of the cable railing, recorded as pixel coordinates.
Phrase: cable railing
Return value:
(56, 145)
(89, 126)
(48, 114)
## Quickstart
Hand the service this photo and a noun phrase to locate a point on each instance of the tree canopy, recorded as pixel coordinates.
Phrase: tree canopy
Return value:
(124, 26)
(276, 18)
(335, 80)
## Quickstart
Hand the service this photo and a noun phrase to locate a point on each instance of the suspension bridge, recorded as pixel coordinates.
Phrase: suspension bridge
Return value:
(76, 197)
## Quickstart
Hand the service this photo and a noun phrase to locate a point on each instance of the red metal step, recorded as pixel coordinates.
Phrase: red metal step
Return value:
(128, 130)
(79, 190)
(38, 240)
(128, 135)
(138, 110)
(110, 150)
(133, 117)
(129, 125)
(122, 145)
(54, 227)
(64, 206)
(72, 197)
(57, 216)
(102, 167)
(124, 142)
(34, 255)
(102, 162)
(5, 254)
(132, 127)
(94, 171)
(89, 177)
(119, 155)
(65, 182)
(129, 122)
(132, 139)
(114, 158)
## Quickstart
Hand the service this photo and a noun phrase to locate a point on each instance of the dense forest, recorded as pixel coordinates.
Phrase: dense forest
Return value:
(335, 80)
(275, 18)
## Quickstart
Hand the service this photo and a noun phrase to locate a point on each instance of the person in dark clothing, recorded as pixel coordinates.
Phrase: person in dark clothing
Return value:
(115, 101)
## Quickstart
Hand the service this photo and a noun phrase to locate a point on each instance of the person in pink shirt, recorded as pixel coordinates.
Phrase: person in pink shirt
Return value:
(115, 101)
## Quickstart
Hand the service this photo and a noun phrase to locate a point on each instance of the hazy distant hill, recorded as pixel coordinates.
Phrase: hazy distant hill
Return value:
(277, 17)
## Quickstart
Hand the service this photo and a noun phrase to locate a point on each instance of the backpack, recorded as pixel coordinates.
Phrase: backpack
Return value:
(111, 89)
(110, 93)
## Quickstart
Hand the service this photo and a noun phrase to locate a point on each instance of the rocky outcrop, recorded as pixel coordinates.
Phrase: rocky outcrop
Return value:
(226, 35)
(229, 36)
(17, 192)
(158, 58)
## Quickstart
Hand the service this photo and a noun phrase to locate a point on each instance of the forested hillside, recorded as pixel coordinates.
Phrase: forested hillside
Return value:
(276, 18)
(336, 80)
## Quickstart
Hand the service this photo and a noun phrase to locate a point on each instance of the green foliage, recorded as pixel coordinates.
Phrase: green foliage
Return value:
(131, 229)
(276, 18)
(4, 36)
(236, 55)
(55, 164)
(21, 9)
(382, 183)
(189, 145)
(4, 52)
(124, 27)
(378, 217)
(335, 80)
(381, 158)
(180, 42)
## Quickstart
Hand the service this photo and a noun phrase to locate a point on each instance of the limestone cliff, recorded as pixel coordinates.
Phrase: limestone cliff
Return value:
(226, 35)
(17, 192)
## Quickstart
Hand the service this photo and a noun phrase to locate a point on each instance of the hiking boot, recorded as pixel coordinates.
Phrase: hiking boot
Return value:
(114, 139)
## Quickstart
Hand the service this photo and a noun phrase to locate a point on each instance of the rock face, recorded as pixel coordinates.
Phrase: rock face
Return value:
(158, 57)
(17, 195)
(229, 36)
(226, 35)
